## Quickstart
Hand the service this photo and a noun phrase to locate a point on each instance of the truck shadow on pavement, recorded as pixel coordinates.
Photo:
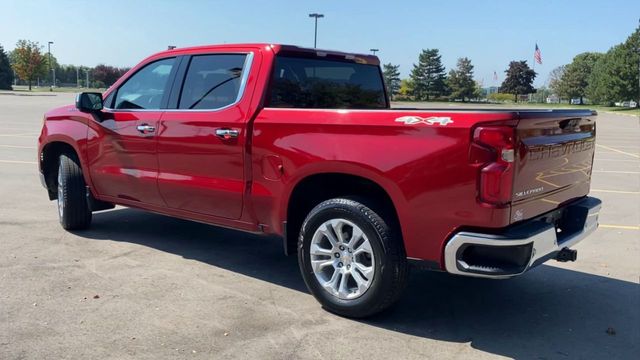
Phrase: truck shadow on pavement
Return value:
(547, 314)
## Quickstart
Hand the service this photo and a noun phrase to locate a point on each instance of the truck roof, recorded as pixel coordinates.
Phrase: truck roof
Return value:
(278, 49)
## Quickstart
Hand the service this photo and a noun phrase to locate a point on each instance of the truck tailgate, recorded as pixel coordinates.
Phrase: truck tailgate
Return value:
(553, 162)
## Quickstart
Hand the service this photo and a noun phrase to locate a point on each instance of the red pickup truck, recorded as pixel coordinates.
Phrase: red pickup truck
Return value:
(303, 143)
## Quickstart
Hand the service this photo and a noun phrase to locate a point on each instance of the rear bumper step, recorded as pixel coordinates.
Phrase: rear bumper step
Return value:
(523, 246)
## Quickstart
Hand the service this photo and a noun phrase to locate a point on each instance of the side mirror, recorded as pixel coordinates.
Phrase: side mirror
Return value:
(89, 102)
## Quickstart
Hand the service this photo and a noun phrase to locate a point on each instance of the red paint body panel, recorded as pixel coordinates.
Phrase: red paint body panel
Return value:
(420, 167)
(122, 161)
(185, 170)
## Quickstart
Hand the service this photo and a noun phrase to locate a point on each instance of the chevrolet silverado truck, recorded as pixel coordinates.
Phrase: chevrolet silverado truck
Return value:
(303, 143)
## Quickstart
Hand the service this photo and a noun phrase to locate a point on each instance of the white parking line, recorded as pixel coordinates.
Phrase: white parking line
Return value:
(616, 191)
(17, 146)
(618, 151)
(18, 162)
(19, 135)
(615, 172)
(635, 147)
(621, 160)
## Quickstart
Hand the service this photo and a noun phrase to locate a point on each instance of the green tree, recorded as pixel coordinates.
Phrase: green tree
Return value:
(555, 79)
(406, 88)
(575, 79)
(615, 74)
(6, 73)
(28, 61)
(519, 79)
(461, 82)
(391, 75)
(428, 75)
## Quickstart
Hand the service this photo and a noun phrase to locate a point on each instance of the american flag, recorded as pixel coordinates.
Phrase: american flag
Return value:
(537, 56)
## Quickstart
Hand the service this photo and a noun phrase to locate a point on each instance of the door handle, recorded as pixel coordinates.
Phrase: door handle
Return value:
(146, 128)
(227, 133)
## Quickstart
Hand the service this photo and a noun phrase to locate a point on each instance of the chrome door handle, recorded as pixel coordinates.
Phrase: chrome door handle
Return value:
(145, 129)
(227, 133)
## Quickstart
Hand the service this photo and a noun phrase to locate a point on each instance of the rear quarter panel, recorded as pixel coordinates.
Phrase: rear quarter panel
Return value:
(424, 168)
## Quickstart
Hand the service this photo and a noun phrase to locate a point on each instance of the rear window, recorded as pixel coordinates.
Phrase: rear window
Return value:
(313, 83)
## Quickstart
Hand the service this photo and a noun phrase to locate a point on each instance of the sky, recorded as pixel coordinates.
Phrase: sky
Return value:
(490, 33)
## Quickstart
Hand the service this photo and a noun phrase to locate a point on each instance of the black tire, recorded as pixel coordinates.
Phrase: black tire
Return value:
(73, 208)
(390, 264)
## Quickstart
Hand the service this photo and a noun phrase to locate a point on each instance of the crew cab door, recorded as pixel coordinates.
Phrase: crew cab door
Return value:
(201, 140)
(121, 144)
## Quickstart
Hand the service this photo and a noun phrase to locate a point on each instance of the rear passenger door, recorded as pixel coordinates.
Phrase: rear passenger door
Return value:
(201, 141)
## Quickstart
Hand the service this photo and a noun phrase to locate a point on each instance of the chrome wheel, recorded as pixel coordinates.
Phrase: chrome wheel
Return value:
(342, 259)
(60, 194)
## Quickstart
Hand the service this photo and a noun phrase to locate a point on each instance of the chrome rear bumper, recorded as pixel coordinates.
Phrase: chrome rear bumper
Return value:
(523, 246)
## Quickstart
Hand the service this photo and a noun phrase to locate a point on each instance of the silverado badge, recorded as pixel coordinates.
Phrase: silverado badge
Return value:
(413, 120)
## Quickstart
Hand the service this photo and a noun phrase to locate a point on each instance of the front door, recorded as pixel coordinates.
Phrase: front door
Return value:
(121, 146)
(201, 142)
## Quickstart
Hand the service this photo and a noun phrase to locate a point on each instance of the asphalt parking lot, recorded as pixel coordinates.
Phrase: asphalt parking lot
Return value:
(144, 286)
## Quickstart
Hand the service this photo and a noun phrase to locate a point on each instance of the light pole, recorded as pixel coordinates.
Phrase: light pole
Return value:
(53, 76)
(374, 51)
(87, 72)
(315, 37)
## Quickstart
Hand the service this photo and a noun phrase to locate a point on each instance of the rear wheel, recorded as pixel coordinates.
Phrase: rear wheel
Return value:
(73, 208)
(351, 259)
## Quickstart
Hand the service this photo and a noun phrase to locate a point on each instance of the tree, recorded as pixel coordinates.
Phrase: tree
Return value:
(555, 79)
(28, 61)
(575, 79)
(406, 88)
(428, 75)
(106, 74)
(6, 73)
(519, 80)
(461, 82)
(615, 74)
(391, 74)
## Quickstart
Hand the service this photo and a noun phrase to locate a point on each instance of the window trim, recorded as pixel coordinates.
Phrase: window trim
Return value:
(165, 96)
(246, 69)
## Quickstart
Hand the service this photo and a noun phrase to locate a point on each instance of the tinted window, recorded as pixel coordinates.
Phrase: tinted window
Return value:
(328, 84)
(212, 81)
(144, 90)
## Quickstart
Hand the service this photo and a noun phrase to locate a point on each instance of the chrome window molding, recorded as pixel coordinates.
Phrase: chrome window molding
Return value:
(246, 69)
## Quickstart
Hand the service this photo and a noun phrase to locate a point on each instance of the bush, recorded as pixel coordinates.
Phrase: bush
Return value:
(402, 98)
(500, 97)
(97, 84)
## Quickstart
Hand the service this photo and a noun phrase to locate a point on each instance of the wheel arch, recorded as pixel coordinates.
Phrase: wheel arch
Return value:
(314, 188)
(49, 158)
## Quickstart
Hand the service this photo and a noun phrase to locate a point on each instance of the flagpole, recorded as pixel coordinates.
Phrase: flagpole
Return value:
(534, 58)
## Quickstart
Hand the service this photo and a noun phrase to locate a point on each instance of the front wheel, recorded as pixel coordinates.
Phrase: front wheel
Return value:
(351, 259)
(73, 208)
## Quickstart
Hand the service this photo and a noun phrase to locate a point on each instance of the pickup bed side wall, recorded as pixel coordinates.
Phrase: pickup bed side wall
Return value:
(423, 168)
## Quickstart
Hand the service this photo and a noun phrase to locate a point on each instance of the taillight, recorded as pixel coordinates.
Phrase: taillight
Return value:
(493, 149)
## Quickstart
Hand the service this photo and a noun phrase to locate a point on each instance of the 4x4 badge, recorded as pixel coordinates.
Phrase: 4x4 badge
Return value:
(413, 120)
